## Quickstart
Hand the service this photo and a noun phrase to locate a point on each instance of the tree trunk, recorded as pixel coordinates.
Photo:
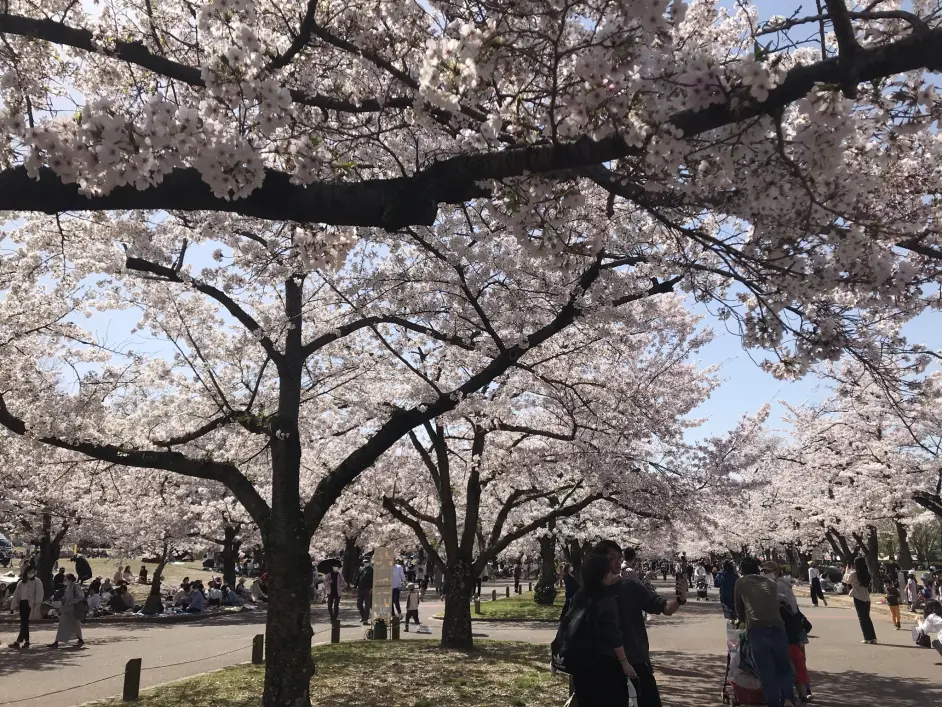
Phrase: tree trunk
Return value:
(456, 627)
(546, 585)
(351, 560)
(847, 555)
(288, 662)
(575, 552)
(230, 553)
(904, 556)
(793, 561)
(49, 547)
(835, 548)
(871, 548)
(154, 604)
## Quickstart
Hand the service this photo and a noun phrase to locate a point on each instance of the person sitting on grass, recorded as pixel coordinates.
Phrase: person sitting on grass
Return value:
(182, 598)
(229, 597)
(196, 599)
(142, 575)
(258, 591)
(930, 627)
(117, 603)
(242, 591)
(214, 594)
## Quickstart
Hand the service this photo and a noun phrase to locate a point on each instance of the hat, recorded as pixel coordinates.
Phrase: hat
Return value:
(412, 587)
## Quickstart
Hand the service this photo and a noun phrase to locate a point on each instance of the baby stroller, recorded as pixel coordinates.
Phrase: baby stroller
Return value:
(702, 591)
(741, 685)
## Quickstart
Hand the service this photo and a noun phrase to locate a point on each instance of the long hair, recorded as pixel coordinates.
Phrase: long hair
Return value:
(594, 571)
(863, 574)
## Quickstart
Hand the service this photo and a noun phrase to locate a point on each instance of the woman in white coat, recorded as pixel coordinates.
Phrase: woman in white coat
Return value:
(69, 621)
(27, 598)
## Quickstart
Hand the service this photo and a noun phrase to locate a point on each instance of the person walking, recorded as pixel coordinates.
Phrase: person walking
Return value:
(602, 679)
(365, 592)
(814, 579)
(859, 580)
(518, 570)
(335, 587)
(71, 613)
(412, 605)
(634, 600)
(757, 604)
(912, 591)
(893, 601)
(27, 597)
(398, 578)
(570, 586)
(727, 584)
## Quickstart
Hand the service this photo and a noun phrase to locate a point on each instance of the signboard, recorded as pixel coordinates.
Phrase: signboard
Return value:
(383, 558)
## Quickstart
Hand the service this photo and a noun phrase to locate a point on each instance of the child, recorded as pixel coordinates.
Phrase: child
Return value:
(892, 601)
(794, 629)
(412, 606)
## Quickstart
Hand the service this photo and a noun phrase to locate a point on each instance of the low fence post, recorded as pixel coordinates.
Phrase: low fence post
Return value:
(335, 631)
(395, 628)
(132, 680)
(494, 595)
(258, 649)
(477, 606)
(531, 587)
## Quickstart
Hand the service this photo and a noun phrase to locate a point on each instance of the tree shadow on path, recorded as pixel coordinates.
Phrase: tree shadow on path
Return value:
(685, 680)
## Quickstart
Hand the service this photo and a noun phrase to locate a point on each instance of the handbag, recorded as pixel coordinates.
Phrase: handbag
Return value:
(923, 640)
(805, 624)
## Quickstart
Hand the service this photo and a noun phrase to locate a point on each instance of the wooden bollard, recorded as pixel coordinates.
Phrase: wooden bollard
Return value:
(335, 631)
(508, 592)
(258, 649)
(494, 595)
(132, 680)
(531, 587)
(477, 606)
(395, 628)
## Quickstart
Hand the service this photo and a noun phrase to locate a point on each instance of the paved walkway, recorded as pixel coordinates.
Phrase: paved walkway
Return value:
(688, 653)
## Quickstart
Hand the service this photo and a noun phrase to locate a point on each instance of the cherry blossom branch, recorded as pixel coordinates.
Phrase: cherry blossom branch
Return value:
(396, 202)
(174, 462)
(555, 514)
(416, 528)
(244, 318)
(368, 322)
(138, 54)
(473, 492)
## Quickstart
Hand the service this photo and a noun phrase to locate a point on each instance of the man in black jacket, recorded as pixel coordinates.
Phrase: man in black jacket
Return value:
(634, 600)
(82, 569)
(365, 592)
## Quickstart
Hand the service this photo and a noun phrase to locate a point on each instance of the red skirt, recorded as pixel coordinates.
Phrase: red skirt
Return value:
(798, 662)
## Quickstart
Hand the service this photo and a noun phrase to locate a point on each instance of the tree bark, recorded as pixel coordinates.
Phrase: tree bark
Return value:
(50, 544)
(546, 585)
(288, 662)
(154, 604)
(575, 552)
(230, 553)
(871, 547)
(456, 627)
(905, 556)
(351, 560)
(847, 555)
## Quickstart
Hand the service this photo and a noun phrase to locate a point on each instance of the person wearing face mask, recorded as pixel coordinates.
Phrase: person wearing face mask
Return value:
(27, 598)
(69, 621)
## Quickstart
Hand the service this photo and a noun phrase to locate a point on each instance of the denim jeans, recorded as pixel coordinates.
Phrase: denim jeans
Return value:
(770, 655)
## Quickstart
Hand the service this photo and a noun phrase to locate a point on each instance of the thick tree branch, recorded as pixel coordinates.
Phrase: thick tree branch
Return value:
(930, 501)
(175, 462)
(472, 512)
(397, 202)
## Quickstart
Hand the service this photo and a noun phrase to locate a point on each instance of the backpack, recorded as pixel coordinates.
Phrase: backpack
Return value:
(572, 647)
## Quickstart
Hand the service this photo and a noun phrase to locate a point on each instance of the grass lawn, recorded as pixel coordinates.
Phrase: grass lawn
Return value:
(518, 606)
(388, 674)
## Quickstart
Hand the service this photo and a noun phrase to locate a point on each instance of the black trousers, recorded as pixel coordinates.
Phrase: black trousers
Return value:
(863, 616)
(364, 604)
(601, 683)
(646, 685)
(816, 591)
(478, 586)
(333, 607)
(23, 636)
(414, 615)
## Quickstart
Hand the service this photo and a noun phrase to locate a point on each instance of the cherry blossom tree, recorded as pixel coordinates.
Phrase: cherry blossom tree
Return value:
(354, 163)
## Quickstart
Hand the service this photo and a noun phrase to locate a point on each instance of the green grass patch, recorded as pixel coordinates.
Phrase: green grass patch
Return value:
(387, 673)
(518, 606)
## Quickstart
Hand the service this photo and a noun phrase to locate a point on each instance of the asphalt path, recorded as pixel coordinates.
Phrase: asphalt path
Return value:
(688, 651)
